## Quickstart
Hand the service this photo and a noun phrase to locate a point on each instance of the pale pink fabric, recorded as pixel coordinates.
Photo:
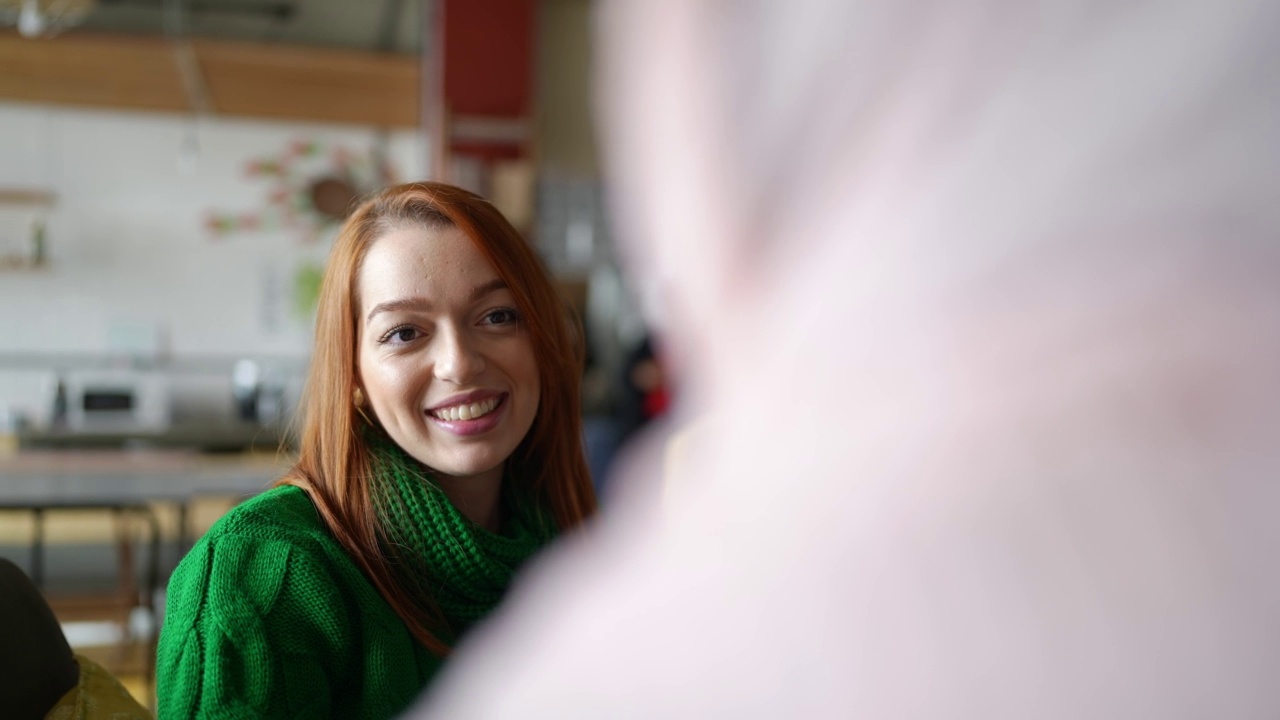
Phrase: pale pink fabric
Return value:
(978, 307)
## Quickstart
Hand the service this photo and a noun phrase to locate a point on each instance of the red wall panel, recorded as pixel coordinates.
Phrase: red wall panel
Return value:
(488, 56)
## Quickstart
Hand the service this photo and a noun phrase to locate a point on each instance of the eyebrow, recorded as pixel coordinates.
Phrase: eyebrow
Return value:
(476, 293)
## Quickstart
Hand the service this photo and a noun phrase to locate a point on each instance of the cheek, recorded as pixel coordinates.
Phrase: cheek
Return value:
(520, 365)
(386, 382)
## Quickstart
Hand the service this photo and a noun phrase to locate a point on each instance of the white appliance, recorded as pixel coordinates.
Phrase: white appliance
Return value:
(117, 401)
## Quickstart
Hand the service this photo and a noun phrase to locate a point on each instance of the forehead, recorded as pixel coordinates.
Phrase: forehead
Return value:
(415, 261)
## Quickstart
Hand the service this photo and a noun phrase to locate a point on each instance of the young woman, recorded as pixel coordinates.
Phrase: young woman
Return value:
(441, 449)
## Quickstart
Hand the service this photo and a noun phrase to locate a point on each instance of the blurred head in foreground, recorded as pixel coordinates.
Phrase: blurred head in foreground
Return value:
(978, 306)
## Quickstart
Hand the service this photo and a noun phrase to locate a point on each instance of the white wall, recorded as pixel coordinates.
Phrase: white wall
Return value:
(132, 270)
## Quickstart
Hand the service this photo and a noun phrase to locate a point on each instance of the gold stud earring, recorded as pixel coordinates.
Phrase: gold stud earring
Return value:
(358, 397)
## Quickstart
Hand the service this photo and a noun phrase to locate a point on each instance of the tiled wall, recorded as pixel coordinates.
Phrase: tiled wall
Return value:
(134, 275)
(133, 270)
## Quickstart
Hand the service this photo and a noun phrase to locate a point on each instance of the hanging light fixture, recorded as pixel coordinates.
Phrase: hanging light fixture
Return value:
(44, 18)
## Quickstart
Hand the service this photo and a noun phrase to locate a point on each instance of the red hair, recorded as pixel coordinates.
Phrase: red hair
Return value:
(334, 462)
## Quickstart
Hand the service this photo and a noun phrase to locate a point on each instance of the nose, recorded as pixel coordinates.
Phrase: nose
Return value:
(457, 358)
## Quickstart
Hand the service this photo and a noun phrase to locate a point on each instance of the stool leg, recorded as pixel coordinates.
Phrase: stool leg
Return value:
(184, 530)
(37, 548)
(149, 602)
(128, 585)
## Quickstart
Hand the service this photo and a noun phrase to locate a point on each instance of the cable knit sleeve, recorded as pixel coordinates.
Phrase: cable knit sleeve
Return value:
(254, 627)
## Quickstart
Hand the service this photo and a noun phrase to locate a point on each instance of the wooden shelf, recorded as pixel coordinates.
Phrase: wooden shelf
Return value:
(241, 79)
(24, 196)
(18, 263)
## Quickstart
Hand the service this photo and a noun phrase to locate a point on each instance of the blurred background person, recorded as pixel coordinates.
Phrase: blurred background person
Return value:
(977, 308)
(641, 394)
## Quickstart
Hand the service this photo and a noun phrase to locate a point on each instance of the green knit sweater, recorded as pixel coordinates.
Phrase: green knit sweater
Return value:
(268, 616)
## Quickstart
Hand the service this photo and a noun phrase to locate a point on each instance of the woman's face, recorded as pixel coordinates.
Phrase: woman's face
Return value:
(444, 359)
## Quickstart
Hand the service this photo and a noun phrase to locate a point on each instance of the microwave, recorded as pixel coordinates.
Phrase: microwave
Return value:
(117, 401)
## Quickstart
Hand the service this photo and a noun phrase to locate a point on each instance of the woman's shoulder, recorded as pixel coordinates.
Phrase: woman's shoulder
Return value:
(257, 543)
(269, 560)
(281, 521)
(284, 510)
(265, 592)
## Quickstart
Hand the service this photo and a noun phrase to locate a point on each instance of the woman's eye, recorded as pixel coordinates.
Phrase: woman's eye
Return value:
(502, 316)
(401, 335)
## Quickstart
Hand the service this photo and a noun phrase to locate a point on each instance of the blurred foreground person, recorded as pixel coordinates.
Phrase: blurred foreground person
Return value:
(977, 305)
(442, 448)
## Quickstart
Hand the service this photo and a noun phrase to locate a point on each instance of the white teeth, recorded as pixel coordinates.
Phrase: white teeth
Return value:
(467, 411)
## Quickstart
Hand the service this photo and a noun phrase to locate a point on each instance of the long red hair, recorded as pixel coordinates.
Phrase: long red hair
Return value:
(334, 463)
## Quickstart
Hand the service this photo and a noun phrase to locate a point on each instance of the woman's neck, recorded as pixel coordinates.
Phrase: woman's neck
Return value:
(479, 497)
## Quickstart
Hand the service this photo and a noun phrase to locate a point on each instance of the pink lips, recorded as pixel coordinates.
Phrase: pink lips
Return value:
(475, 426)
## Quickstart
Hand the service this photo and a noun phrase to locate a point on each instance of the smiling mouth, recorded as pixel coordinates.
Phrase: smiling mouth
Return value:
(467, 411)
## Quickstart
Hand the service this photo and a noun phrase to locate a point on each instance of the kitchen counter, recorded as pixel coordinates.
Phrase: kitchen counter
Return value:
(80, 475)
(130, 481)
(235, 436)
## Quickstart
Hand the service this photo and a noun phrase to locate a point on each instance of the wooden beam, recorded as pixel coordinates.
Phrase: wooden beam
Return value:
(243, 79)
(136, 73)
(301, 83)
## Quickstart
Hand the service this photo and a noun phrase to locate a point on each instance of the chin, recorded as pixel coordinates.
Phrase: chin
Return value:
(477, 459)
(464, 467)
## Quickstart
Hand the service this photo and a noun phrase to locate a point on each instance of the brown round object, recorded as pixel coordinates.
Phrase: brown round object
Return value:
(332, 197)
